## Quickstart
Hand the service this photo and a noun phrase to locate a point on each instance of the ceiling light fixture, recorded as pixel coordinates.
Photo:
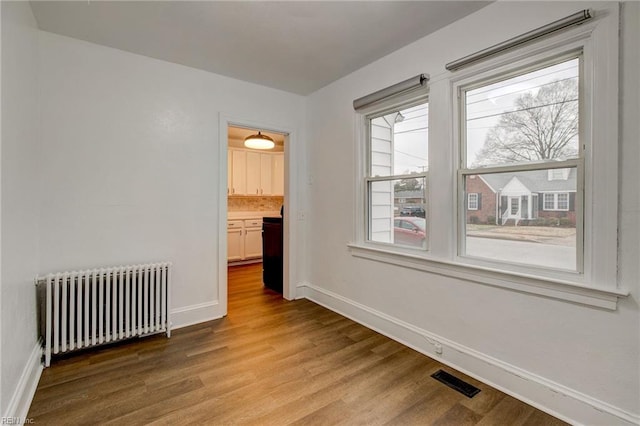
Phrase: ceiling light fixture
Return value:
(259, 141)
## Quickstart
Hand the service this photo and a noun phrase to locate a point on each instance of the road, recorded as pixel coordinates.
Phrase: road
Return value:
(553, 256)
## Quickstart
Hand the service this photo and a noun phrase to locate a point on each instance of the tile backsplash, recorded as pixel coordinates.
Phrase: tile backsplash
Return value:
(261, 204)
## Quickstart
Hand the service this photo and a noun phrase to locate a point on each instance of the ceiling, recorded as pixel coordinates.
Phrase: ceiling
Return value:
(296, 46)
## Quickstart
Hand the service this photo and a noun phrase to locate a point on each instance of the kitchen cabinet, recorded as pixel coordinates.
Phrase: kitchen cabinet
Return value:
(277, 174)
(265, 174)
(239, 172)
(255, 173)
(235, 240)
(229, 172)
(244, 239)
(253, 243)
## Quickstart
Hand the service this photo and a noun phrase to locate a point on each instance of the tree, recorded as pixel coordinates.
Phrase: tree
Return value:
(543, 126)
(411, 184)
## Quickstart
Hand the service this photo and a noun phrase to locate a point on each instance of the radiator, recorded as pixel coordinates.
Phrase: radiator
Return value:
(80, 309)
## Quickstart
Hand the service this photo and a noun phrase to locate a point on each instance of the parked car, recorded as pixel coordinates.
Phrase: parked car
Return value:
(416, 211)
(410, 231)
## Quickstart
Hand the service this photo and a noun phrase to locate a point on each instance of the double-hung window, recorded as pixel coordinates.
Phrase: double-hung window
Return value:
(521, 138)
(521, 193)
(396, 179)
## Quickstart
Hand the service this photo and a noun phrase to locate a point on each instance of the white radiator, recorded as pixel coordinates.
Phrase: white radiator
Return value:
(79, 309)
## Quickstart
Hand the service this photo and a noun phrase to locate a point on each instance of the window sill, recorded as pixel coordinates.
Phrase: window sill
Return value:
(606, 298)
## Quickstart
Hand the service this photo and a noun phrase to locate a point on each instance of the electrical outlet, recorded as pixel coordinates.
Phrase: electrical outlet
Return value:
(301, 215)
(438, 347)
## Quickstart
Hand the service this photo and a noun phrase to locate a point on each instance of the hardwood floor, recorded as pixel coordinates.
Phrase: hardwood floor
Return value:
(269, 362)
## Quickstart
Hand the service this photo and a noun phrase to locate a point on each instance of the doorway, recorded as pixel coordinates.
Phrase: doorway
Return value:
(253, 184)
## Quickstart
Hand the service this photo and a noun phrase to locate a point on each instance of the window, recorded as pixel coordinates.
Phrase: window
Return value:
(549, 202)
(396, 179)
(556, 202)
(558, 174)
(541, 222)
(562, 201)
(472, 201)
(518, 128)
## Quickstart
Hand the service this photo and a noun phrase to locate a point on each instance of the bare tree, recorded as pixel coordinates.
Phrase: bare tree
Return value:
(543, 126)
(411, 184)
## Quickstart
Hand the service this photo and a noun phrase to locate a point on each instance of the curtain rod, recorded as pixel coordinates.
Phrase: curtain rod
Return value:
(575, 19)
(397, 89)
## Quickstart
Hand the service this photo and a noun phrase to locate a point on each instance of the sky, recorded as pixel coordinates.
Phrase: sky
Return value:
(411, 140)
(484, 107)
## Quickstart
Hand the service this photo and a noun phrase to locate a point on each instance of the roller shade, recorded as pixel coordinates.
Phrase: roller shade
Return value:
(403, 87)
(569, 21)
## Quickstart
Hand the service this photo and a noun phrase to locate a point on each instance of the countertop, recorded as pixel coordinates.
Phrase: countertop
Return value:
(251, 215)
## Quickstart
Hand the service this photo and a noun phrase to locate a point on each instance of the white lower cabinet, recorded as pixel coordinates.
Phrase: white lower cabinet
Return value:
(235, 240)
(253, 243)
(234, 245)
(244, 239)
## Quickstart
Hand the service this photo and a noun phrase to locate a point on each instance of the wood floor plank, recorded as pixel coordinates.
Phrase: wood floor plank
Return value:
(269, 362)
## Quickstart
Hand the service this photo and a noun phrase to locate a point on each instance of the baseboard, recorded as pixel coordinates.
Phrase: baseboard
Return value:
(18, 407)
(560, 401)
(195, 314)
(300, 290)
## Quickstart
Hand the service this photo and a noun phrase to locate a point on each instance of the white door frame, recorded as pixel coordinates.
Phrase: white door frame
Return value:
(290, 205)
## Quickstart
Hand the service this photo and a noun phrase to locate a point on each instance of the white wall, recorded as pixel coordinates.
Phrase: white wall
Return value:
(131, 162)
(594, 354)
(19, 225)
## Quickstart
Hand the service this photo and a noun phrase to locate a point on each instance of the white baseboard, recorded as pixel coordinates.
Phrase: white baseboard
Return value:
(560, 401)
(18, 407)
(194, 314)
(301, 291)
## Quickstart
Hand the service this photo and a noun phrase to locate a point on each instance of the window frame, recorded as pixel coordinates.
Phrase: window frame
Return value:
(394, 104)
(598, 285)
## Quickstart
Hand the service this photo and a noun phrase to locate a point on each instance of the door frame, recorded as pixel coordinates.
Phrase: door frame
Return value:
(291, 204)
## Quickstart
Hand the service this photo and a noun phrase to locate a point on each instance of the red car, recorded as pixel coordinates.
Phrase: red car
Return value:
(410, 231)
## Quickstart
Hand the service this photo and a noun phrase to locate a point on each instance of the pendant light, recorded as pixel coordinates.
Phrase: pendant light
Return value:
(259, 141)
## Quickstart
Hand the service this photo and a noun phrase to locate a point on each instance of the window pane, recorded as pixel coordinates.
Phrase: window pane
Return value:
(509, 224)
(549, 202)
(399, 142)
(563, 201)
(397, 212)
(529, 118)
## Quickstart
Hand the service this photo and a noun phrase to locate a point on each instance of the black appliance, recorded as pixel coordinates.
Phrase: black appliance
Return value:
(272, 253)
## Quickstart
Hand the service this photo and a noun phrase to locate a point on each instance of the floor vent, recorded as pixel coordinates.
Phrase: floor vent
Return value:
(454, 383)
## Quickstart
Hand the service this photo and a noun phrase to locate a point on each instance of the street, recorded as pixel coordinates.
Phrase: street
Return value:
(548, 255)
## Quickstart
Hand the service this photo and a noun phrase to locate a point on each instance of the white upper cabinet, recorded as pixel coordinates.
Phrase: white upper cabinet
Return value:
(255, 173)
(229, 172)
(277, 174)
(265, 174)
(239, 172)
